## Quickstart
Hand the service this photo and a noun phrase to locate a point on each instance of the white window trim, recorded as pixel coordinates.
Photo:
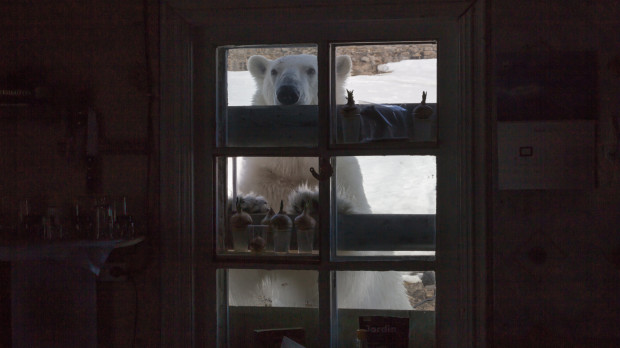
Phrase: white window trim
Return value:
(188, 273)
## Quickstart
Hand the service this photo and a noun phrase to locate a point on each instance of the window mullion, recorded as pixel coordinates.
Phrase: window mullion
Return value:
(323, 129)
(327, 320)
(324, 77)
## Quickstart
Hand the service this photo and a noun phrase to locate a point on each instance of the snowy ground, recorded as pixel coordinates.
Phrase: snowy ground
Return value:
(396, 185)
(403, 83)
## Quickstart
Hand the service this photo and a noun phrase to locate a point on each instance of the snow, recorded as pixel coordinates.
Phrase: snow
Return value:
(412, 278)
(400, 185)
(404, 83)
(394, 184)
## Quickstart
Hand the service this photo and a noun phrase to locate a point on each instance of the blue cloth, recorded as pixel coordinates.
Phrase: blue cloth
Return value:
(383, 122)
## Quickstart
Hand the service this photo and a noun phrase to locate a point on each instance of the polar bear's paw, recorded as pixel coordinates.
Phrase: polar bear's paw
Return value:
(250, 203)
(307, 195)
(300, 197)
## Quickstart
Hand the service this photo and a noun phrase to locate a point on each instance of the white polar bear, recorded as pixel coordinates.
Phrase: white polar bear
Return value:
(292, 80)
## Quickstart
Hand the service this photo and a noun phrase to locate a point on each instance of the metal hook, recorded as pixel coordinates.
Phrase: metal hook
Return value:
(325, 170)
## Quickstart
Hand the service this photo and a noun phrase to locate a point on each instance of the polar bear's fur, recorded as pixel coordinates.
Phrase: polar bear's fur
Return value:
(285, 178)
(292, 80)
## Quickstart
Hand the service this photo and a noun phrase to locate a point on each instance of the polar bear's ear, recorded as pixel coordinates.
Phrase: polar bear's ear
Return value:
(343, 66)
(257, 65)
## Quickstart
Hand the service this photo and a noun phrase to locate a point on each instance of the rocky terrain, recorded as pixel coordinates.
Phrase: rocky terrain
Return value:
(367, 59)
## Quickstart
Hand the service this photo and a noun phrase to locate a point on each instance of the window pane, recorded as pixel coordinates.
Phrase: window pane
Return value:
(265, 304)
(278, 198)
(387, 82)
(386, 205)
(389, 305)
(271, 96)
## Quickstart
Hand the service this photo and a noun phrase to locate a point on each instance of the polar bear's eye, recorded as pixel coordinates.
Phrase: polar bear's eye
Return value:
(274, 72)
(310, 71)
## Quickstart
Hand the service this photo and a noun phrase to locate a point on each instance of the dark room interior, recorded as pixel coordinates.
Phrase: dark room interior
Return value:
(103, 99)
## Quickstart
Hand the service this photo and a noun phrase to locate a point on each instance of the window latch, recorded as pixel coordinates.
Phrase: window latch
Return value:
(325, 170)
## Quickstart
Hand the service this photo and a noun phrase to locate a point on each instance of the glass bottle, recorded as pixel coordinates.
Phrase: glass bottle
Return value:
(361, 341)
(282, 226)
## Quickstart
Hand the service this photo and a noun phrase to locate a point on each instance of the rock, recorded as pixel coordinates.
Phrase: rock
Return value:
(428, 278)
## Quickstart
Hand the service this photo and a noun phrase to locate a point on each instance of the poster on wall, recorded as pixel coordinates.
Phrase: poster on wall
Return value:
(546, 85)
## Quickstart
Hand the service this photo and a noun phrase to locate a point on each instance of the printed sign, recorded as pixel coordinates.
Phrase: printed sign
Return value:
(386, 332)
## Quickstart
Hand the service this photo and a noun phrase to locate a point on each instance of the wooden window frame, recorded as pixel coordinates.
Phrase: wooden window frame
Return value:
(190, 297)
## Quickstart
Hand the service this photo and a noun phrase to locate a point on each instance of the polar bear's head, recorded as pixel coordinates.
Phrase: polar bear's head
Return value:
(293, 80)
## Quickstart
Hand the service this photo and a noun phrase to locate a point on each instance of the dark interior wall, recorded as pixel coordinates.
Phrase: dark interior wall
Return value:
(103, 55)
(556, 252)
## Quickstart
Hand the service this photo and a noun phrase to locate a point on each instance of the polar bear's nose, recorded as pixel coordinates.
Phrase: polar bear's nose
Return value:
(287, 94)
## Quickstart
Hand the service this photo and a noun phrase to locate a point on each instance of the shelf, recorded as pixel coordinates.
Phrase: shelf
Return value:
(21, 250)
(298, 126)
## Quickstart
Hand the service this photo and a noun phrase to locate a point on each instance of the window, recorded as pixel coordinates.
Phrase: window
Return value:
(388, 193)
(382, 196)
